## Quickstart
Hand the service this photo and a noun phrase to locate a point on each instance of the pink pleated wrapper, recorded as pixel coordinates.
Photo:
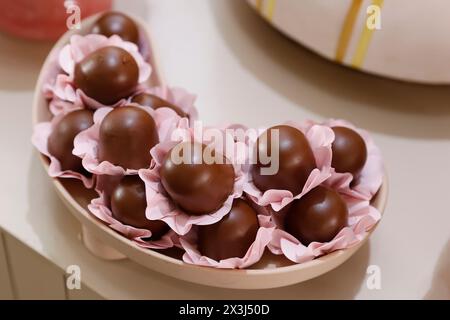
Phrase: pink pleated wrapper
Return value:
(79, 47)
(369, 180)
(253, 255)
(58, 106)
(176, 96)
(86, 142)
(320, 139)
(51, 72)
(100, 210)
(55, 104)
(161, 207)
(362, 218)
(41, 133)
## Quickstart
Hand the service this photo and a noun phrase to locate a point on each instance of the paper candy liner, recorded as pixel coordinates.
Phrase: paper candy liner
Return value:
(100, 210)
(369, 180)
(50, 73)
(86, 142)
(362, 218)
(253, 255)
(58, 106)
(41, 133)
(176, 96)
(161, 207)
(320, 139)
(78, 48)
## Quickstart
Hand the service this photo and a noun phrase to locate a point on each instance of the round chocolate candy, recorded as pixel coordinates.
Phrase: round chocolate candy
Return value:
(60, 141)
(155, 102)
(112, 22)
(292, 153)
(232, 236)
(197, 185)
(128, 204)
(318, 216)
(126, 136)
(349, 151)
(107, 75)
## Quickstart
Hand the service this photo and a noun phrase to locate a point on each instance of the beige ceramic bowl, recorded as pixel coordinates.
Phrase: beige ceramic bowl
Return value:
(272, 271)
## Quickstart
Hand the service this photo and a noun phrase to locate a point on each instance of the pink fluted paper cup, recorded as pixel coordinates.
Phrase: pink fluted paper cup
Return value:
(86, 142)
(41, 133)
(79, 47)
(161, 207)
(369, 180)
(253, 255)
(58, 106)
(362, 218)
(320, 139)
(98, 207)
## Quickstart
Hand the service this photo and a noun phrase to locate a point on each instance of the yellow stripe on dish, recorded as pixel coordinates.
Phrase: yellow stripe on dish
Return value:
(347, 30)
(364, 41)
(259, 6)
(271, 9)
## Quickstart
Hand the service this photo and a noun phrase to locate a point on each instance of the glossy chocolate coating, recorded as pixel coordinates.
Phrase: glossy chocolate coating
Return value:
(112, 22)
(107, 75)
(155, 102)
(196, 187)
(60, 141)
(128, 204)
(296, 160)
(318, 216)
(349, 151)
(232, 236)
(126, 136)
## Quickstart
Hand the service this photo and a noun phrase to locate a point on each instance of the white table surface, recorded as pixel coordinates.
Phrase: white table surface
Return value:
(244, 71)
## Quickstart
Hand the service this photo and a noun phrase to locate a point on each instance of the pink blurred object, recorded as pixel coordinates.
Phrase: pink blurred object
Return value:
(44, 19)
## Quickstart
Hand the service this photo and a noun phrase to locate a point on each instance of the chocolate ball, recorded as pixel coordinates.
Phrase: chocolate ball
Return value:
(111, 23)
(107, 75)
(155, 102)
(295, 159)
(128, 204)
(60, 141)
(349, 151)
(195, 185)
(232, 236)
(126, 136)
(317, 217)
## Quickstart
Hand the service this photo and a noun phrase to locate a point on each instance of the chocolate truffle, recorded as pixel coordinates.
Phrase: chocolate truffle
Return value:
(195, 185)
(126, 136)
(107, 75)
(296, 160)
(232, 236)
(60, 141)
(318, 216)
(128, 204)
(155, 102)
(112, 22)
(349, 151)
